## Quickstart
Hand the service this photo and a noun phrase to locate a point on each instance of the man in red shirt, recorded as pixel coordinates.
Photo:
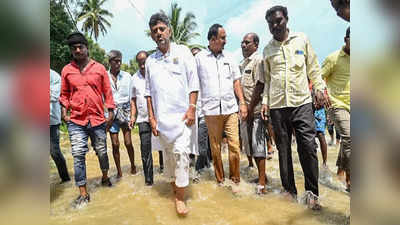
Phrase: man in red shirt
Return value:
(84, 82)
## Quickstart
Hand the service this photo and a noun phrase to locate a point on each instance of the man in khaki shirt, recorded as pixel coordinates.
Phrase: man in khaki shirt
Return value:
(288, 61)
(253, 130)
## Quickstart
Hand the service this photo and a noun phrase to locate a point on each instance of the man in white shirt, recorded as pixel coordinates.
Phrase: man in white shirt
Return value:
(171, 89)
(139, 115)
(120, 85)
(219, 77)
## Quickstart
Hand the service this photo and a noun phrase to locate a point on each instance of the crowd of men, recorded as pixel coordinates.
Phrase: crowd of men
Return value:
(185, 100)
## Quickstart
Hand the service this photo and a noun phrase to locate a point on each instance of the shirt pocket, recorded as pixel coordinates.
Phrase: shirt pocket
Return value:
(226, 71)
(175, 69)
(247, 78)
(298, 60)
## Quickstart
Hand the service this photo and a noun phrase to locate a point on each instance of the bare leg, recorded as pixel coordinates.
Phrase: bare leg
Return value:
(262, 178)
(271, 133)
(324, 147)
(83, 190)
(129, 148)
(115, 147)
(180, 205)
(250, 159)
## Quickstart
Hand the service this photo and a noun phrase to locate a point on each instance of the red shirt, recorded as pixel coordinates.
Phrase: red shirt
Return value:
(82, 93)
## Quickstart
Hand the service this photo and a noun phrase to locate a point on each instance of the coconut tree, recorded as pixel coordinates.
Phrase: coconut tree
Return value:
(94, 17)
(182, 31)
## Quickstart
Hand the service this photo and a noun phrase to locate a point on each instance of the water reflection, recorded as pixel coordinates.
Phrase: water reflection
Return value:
(131, 202)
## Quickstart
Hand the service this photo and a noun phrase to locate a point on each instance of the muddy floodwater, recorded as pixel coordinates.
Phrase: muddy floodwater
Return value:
(129, 201)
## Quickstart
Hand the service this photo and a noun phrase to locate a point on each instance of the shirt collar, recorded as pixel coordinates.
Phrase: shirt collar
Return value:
(119, 74)
(139, 74)
(159, 54)
(210, 53)
(91, 61)
(290, 37)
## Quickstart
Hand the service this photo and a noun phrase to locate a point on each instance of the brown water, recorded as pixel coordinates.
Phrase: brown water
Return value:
(130, 202)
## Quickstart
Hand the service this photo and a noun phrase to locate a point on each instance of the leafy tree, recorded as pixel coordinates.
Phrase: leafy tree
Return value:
(60, 27)
(94, 17)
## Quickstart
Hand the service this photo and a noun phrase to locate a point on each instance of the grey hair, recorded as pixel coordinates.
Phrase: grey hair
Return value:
(113, 54)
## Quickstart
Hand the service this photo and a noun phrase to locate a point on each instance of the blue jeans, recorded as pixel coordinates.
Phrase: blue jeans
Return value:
(56, 154)
(78, 136)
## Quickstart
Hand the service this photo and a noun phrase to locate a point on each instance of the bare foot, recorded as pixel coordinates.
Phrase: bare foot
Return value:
(119, 175)
(133, 170)
(181, 208)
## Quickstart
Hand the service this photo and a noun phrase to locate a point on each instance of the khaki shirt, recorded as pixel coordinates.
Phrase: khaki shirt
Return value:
(336, 72)
(287, 65)
(252, 71)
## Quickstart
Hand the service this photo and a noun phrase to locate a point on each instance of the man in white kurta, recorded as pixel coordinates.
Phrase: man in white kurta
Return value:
(171, 89)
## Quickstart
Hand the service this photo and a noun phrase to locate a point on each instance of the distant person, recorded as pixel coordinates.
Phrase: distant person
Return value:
(219, 77)
(289, 62)
(85, 91)
(120, 85)
(55, 121)
(336, 72)
(171, 90)
(139, 115)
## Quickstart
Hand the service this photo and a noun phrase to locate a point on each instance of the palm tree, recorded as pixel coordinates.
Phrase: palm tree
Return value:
(94, 17)
(181, 31)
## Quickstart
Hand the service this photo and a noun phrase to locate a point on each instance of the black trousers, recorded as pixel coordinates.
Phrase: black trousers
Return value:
(301, 119)
(56, 154)
(145, 149)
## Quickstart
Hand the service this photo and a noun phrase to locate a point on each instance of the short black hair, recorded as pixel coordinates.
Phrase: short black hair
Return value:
(213, 31)
(142, 52)
(277, 8)
(158, 17)
(348, 32)
(76, 38)
(340, 3)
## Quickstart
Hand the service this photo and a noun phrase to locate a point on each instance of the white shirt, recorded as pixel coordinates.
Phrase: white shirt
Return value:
(138, 86)
(121, 90)
(216, 75)
(55, 88)
(170, 78)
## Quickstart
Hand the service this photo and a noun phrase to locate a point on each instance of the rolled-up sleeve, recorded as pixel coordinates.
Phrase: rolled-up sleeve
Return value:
(147, 92)
(132, 88)
(267, 79)
(313, 67)
(191, 71)
(65, 93)
(235, 70)
(107, 92)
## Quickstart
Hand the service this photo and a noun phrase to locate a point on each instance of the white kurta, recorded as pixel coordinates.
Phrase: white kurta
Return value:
(170, 78)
